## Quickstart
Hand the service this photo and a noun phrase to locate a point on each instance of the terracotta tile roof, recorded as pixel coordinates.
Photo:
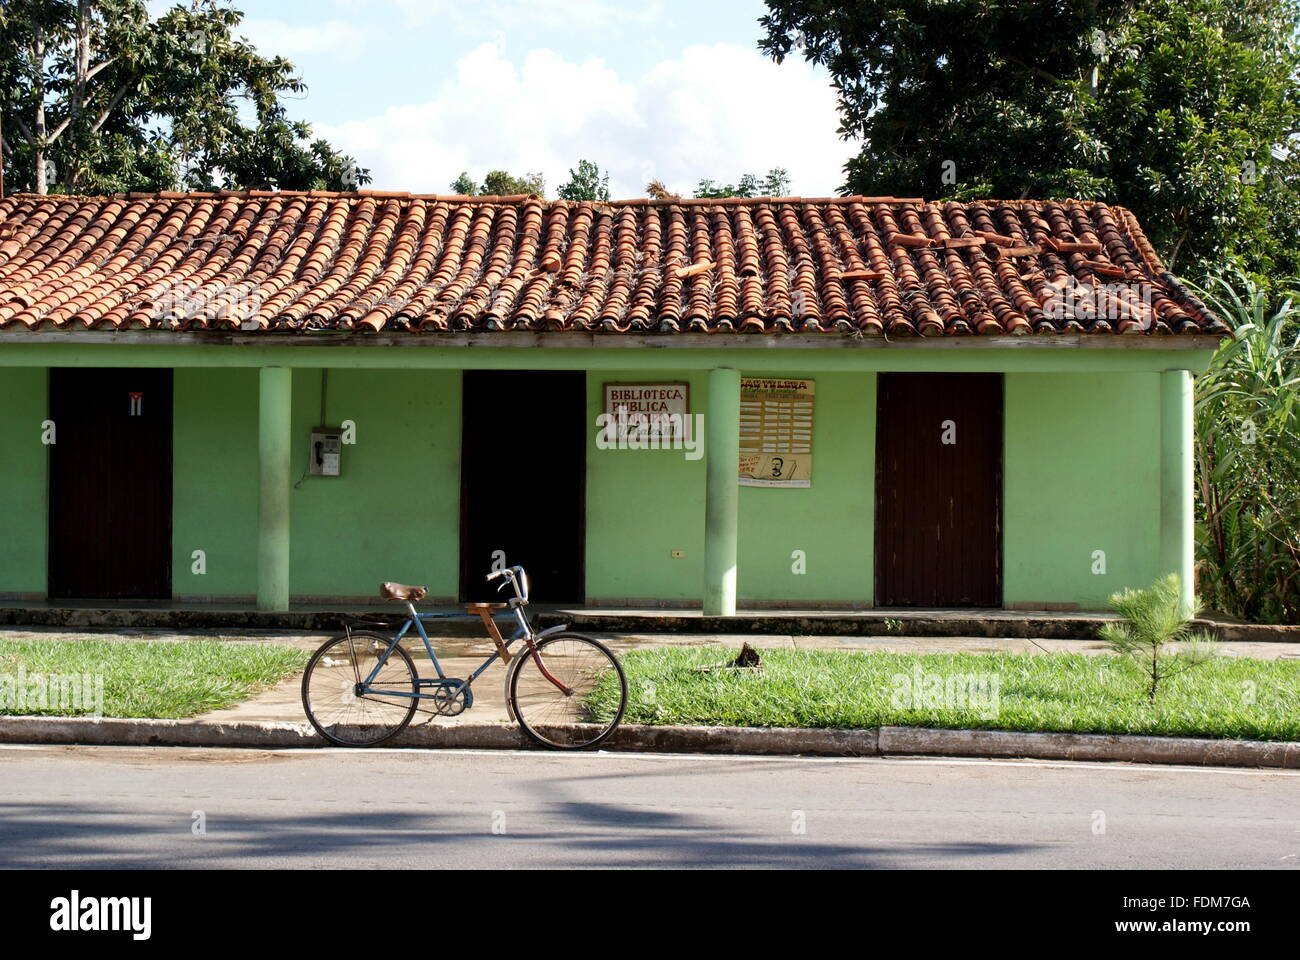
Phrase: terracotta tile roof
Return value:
(378, 260)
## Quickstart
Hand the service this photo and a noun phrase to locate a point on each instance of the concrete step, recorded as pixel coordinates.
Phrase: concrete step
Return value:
(991, 623)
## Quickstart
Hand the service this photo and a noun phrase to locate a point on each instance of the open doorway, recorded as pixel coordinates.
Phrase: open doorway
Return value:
(523, 473)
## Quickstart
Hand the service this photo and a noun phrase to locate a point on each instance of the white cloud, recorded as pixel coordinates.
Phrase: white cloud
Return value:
(273, 37)
(718, 111)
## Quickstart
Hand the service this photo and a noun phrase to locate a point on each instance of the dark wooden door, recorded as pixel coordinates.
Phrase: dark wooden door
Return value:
(111, 484)
(939, 490)
(523, 472)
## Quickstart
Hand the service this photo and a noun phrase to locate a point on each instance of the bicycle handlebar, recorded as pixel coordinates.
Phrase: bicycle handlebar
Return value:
(518, 580)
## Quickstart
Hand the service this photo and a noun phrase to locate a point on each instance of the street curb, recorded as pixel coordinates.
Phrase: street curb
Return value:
(780, 741)
(1089, 746)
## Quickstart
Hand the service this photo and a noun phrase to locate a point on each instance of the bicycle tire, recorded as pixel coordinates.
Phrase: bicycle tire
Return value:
(545, 727)
(327, 726)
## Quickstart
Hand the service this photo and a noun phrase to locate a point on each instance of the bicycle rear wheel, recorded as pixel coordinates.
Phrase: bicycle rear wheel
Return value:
(332, 697)
(569, 693)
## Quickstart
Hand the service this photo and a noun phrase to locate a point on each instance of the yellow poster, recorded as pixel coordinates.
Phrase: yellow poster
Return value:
(776, 431)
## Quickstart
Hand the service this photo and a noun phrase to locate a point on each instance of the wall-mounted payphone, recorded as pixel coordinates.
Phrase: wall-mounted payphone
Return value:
(326, 448)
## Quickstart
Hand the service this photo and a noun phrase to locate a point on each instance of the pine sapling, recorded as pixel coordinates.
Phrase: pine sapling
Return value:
(1152, 621)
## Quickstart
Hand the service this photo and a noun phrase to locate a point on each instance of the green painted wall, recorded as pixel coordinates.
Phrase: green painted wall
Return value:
(644, 504)
(641, 506)
(214, 482)
(24, 463)
(833, 521)
(393, 514)
(1081, 473)
(1081, 467)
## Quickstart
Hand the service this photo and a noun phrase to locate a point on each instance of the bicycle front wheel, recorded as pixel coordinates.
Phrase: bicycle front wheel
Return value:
(568, 692)
(334, 700)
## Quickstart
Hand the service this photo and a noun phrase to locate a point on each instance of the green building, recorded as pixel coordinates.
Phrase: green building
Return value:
(841, 403)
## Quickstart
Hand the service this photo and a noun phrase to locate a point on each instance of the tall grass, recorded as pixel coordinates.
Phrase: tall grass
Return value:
(1248, 456)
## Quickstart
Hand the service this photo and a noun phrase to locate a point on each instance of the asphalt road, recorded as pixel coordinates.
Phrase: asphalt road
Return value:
(93, 807)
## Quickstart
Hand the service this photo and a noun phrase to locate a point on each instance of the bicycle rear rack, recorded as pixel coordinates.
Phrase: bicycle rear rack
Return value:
(391, 624)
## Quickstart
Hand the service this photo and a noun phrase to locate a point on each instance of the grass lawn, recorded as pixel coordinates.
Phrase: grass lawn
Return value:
(166, 680)
(1235, 698)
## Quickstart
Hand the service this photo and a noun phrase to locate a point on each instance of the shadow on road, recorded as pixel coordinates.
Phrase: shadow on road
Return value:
(567, 833)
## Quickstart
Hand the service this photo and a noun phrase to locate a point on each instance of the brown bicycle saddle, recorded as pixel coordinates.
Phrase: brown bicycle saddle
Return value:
(400, 591)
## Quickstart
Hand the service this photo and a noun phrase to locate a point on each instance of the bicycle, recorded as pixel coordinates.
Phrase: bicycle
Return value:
(565, 690)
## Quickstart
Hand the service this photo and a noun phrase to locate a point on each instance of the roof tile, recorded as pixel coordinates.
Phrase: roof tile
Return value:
(388, 260)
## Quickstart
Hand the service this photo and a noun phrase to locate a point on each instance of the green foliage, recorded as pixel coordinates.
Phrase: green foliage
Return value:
(1184, 111)
(1248, 455)
(1152, 620)
(98, 98)
(586, 183)
(499, 183)
(775, 184)
(464, 185)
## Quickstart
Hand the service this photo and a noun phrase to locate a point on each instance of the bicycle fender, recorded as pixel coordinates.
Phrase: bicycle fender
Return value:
(515, 662)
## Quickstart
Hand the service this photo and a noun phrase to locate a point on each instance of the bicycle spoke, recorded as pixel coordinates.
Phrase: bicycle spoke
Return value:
(569, 692)
(336, 707)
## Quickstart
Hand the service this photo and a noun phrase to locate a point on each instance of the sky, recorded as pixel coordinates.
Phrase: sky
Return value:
(677, 90)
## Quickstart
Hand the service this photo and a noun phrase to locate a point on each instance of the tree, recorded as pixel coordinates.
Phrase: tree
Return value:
(1182, 110)
(1248, 456)
(1151, 620)
(775, 184)
(498, 183)
(586, 183)
(96, 97)
(464, 185)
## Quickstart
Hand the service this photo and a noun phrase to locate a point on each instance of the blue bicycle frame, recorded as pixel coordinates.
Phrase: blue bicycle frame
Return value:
(523, 632)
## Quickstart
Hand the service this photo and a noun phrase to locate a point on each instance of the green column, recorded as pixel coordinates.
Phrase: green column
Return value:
(273, 441)
(722, 492)
(1176, 477)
